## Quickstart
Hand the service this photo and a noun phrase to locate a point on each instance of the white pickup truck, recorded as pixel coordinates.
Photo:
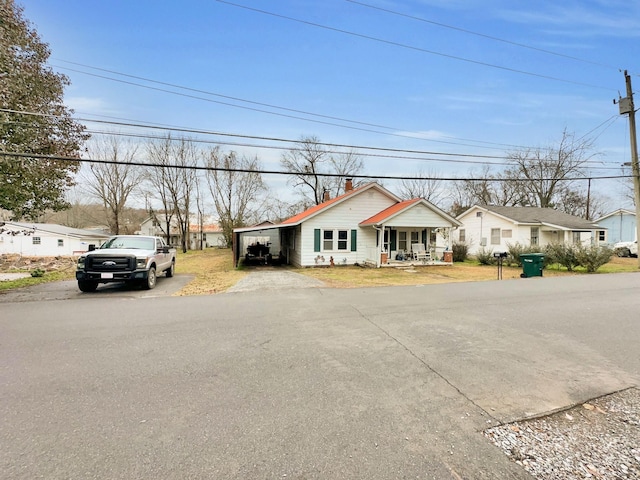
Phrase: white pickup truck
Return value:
(626, 249)
(125, 258)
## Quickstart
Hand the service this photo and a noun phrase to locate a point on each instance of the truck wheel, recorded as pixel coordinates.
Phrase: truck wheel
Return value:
(150, 282)
(86, 286)
(624, 252)
(171, 270)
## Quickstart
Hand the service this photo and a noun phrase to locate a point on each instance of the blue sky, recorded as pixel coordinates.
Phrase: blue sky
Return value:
(395, 74)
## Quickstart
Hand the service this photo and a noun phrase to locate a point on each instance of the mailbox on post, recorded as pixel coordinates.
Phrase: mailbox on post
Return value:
(499, 256)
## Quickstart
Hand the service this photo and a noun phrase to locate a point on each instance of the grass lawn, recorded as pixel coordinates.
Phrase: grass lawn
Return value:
(214, 273)
(213, 270)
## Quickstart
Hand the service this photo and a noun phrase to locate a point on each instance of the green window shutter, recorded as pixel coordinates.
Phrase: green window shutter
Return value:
(316, 240)
(354, 240)
(394, 239)
(424, 237)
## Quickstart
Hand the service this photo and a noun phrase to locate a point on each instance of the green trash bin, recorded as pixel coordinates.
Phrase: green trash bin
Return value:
(532, 264)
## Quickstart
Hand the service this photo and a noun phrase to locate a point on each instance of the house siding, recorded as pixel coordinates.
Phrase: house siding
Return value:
(48, 247)
(477, 228)
(343, 217)
(418, 216)
(621, 227)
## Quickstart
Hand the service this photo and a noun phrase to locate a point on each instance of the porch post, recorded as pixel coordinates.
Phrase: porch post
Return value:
(380, 246)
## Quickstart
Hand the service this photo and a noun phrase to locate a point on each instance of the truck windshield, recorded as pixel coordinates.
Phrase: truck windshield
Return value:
(130, 242)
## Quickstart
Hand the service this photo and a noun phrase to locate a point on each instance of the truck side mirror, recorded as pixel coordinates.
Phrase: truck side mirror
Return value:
(92, 247)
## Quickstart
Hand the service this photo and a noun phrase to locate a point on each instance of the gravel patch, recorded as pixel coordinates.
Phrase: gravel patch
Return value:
(599, 439)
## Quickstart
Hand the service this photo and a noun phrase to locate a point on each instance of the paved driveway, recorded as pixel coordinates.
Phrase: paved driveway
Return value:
(265, 278)
(68, 290)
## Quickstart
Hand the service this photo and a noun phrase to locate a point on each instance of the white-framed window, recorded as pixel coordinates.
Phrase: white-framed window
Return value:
(602, 235)
(327, 240)
(463, 235)
(333, 240)
(414, 237)
(576, 237)
(507, 233)
(535, 235)
(61, 242)
(342, 239)
(495, 236)
(402, 240)
(35, 240)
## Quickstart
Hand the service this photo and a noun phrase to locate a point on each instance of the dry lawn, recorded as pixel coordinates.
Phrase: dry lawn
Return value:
(353, 277)
(213, 270)
(214, 273)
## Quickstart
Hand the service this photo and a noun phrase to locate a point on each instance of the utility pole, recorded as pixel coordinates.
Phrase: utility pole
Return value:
(626, 106)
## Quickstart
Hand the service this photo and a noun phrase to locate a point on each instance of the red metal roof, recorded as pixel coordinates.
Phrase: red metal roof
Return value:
(389, 212)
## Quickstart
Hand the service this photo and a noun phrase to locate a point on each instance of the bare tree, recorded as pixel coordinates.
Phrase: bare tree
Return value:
(542, 177)
(173, 181)
(345, 165)
(159, 152)
(426, 185)
(278, 210)
(544, 174)
(112, 183)
(235, 184)
(309, 163)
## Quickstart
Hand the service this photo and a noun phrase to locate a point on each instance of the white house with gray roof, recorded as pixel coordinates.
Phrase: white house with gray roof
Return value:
(46, 239)
(495, 228)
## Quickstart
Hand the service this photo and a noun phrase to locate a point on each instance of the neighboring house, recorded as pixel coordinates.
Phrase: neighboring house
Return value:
(495, 228)
(368, 224)
(46, 239)
(211, 236)
(156, 225)
(618, 226)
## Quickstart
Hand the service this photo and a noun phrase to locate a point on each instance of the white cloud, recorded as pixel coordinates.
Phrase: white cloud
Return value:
(88, 105)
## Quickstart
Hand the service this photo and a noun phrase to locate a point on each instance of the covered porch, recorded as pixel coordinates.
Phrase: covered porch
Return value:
(413, 245)
(413, 232)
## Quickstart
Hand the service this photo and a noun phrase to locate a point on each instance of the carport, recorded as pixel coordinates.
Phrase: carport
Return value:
(246, 240)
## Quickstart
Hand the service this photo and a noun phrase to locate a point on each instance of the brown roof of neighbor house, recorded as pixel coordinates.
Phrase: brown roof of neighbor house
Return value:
(210, 228)
(542, 215)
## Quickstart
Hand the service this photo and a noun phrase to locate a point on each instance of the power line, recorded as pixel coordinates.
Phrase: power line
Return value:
(286, 173)
(254, 137)
(276, 147)
(295, 142)
(418, 49)
(483, 35)
(413, 137)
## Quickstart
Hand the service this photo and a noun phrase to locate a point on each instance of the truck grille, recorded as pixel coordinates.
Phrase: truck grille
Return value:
(110, 264)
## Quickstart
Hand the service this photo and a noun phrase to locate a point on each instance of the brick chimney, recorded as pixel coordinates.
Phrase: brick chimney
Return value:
(348, 186)
(326, 196)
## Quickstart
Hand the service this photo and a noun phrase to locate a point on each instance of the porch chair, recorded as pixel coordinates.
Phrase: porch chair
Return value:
(418, 252)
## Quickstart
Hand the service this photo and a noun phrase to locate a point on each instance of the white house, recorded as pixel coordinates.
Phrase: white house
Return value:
(156, 225)
(495, 228)
(46, 239)
(210, 235)
(368, 224)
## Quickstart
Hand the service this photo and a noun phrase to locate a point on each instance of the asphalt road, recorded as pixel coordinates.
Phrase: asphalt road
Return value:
(379, 383)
